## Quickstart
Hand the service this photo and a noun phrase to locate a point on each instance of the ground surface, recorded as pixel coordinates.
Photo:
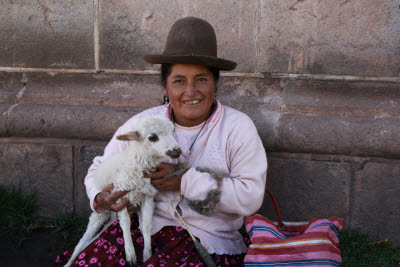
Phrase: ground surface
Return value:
(44, 246)
(40, 250)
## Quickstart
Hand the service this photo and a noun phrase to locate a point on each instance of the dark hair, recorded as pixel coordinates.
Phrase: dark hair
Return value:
(166, 71)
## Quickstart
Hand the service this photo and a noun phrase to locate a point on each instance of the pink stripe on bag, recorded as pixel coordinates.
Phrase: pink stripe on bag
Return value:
(293, 257)
(294, 250)
(312, 235)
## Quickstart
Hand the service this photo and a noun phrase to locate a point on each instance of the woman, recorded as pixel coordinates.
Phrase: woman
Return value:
(211, 136)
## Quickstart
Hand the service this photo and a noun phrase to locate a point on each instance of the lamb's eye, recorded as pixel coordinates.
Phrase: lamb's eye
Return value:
(153, 138)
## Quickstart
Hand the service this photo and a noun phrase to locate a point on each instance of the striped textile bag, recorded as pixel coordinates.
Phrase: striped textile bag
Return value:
(313, 243)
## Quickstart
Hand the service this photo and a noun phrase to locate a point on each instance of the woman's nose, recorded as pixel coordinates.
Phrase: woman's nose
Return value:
(190, 88)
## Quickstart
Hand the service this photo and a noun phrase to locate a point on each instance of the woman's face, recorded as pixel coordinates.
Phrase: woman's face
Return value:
(191, 91)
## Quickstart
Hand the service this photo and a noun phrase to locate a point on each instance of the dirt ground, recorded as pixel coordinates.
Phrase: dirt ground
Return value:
(40, 250)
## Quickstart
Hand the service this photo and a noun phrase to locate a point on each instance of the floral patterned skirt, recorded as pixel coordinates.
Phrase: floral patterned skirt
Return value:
(172, 246)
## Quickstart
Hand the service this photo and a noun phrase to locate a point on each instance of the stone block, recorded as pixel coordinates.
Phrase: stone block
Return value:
(47, 34)
(84, 156)
(305, 189)
(355, 136)
(330, 37)
(364, 99)
(375, 208)
(61, 121)
(131, 29)
(260, 99)
(46, 168)
(137, 91)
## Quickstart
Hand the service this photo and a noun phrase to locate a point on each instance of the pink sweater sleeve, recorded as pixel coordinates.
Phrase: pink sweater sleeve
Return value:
(243, 189)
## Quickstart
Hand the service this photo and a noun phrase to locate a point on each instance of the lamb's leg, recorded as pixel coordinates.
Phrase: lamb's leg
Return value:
(146, 209)
(96, 221)
(112, 218)
(125, 223)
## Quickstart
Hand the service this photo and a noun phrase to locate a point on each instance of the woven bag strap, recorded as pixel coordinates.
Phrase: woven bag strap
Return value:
(281, 225)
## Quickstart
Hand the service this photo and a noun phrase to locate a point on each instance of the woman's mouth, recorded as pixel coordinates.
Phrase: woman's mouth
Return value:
(191, 102)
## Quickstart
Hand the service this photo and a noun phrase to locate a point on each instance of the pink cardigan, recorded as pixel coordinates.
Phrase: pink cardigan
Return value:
(229, 143)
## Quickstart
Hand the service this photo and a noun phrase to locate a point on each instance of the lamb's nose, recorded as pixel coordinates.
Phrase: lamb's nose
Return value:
(174, 153)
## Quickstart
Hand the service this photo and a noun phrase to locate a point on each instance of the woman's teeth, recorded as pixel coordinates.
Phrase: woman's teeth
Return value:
(192, 102)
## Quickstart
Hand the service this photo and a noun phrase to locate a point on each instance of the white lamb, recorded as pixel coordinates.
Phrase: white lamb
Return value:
(153, 141)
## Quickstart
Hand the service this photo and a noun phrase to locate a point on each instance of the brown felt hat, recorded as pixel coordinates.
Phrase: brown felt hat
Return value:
(191, 41)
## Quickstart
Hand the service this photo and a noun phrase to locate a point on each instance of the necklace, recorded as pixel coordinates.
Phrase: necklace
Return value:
(189, 153)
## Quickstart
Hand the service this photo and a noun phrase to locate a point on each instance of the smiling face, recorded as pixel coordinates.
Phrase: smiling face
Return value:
(191, 91)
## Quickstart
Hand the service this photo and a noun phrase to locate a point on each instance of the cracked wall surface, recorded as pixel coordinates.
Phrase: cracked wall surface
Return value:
(46, 33)
(320, 80)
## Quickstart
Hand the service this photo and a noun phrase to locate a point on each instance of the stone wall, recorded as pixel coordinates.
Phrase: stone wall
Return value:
(320, 79)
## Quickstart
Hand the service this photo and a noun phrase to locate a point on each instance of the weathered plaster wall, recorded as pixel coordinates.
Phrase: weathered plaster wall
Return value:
(320, 79)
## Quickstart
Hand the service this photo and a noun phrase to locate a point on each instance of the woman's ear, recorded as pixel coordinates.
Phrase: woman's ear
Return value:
(215, 86)
(166, 98)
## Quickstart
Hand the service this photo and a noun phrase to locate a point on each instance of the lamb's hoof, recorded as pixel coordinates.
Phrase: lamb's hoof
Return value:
(131, 264)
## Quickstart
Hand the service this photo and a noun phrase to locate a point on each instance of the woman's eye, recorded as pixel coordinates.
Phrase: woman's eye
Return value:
(178, 81)
(153, 138)
(202, 79)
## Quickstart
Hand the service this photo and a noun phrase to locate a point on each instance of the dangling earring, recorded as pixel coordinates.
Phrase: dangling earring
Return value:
(215, 95)
(166, 100)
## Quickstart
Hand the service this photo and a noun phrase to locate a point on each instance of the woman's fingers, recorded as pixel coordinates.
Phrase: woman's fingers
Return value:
(117, 195)
(107, 200)
(173, 184)
(161, 171)
(119, 206)
(156, 182)
(112, 200)
(109, 188)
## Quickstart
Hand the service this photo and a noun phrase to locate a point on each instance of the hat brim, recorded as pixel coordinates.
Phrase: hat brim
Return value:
(219, 63)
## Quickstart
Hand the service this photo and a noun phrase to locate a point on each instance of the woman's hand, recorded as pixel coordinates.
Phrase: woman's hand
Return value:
(107, 200)
(162, 170)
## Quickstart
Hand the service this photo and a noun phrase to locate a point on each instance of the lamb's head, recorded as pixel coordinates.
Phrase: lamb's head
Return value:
(156, 133)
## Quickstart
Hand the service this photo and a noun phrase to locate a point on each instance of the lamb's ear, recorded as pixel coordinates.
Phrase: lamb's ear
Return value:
(130, 136)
